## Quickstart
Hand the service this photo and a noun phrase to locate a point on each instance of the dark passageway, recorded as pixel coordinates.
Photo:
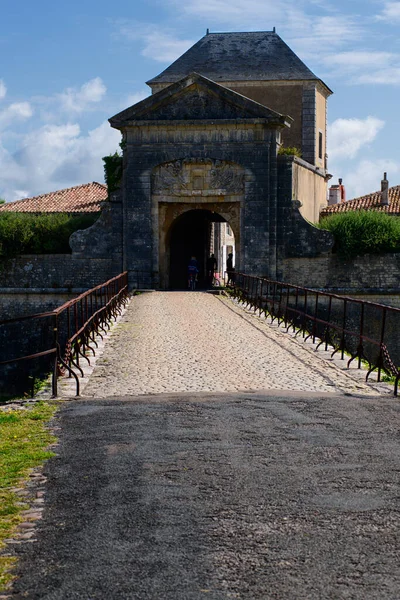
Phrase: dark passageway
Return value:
(191, 236)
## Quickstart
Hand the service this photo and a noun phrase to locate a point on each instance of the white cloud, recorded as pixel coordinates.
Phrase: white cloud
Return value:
(74, 100)
(388, 76)
(390, 13)
(347, 136)
(236, 12)
(3, 89)
(164, 47)
(365, 177)
(19, 111)
(360, 58)
(365, 67)
(316, 37)
(54, 157)
(160, 44)
(54, 151)
(135, 98)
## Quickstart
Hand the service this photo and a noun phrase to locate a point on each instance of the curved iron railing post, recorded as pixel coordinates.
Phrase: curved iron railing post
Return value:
(330, 324)
(54, 377)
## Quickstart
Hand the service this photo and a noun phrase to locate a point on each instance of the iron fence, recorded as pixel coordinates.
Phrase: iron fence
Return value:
(59, 340)
(367, 332)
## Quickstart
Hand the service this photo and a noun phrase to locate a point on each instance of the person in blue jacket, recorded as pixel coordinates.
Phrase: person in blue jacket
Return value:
(193, 269)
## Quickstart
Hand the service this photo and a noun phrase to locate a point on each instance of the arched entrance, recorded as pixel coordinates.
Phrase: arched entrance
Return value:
(187, 228)
(190, 196)
(196, 233)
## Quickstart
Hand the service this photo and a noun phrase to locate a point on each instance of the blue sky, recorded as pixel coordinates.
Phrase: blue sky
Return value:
(65, 68)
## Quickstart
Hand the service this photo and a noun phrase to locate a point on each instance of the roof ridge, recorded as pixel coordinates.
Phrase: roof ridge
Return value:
(73, 187)
(240, 32)
(372, 193)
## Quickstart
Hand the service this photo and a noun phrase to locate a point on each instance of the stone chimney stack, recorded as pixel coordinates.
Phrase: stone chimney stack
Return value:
(337, 193)
(384, 191)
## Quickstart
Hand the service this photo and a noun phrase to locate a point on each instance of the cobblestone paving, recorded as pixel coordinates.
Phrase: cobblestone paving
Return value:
(197, 342)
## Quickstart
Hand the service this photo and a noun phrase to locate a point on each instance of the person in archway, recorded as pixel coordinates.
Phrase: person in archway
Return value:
(211, 268)
(230, 269)
(193, 269)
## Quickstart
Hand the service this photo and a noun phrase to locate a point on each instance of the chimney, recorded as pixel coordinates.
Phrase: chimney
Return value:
(337, 193)
(342, 191)
(384, 191)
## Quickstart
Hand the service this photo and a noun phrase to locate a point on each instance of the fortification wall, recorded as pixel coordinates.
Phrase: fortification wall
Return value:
(55, 271)
(369, 274)
(15, 302)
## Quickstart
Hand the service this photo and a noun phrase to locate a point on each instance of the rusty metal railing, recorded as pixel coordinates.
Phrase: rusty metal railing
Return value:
(366, 331)
(67, 335)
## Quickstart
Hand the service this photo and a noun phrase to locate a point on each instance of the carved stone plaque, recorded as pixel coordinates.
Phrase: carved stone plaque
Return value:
(193, 177)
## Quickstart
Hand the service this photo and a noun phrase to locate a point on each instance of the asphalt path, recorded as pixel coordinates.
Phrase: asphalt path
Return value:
(216, 496)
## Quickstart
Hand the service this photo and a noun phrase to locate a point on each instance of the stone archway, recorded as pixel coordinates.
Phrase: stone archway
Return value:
(192, 184)
(169, 216)
(191, 235)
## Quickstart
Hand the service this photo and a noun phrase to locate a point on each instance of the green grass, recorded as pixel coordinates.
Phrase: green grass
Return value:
(24, 442)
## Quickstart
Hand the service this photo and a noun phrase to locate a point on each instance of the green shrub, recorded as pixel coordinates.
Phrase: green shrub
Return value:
(113, 171)
(363, 232)
(22, 233)
(290, 150)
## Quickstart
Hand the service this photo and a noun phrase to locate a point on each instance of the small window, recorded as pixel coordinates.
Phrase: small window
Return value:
(228, 229)
(320, 145)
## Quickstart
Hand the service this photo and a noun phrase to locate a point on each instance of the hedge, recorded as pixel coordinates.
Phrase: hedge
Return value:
(22, 233)
(363, 232)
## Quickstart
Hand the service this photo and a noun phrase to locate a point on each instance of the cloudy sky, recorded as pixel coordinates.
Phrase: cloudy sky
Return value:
(66, 67)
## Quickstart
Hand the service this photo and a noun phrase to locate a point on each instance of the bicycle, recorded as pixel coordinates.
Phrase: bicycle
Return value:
(192, 281)
(216, 282)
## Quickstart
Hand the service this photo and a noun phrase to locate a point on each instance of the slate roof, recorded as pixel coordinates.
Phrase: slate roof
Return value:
(368, 202)
(86, 198)
(250, 56)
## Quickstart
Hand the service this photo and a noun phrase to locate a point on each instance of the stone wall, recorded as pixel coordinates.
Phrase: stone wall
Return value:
(308, 187)
(96, 257)
(55, 271)
(20, 302)
(253, 148)
(26, 337)
(365, 274)
(283, 96)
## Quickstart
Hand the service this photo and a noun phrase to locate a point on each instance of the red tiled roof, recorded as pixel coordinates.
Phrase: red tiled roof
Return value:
(368, 202)
(86, 198)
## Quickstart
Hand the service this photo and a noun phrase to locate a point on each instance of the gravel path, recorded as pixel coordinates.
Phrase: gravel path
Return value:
(197, 342)
(279, 496)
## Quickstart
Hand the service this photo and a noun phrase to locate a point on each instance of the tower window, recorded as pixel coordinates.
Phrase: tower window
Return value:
(320, 145)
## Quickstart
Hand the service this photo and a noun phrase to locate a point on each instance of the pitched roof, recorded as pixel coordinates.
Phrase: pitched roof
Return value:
(368, 202)
(86, 198)
(223, 103)
(250, 56)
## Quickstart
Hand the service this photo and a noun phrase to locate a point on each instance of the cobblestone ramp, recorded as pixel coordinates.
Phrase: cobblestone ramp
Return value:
(196, 342)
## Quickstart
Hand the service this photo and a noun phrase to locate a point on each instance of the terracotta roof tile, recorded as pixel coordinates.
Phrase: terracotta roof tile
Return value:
(368, 202)
(86, 198)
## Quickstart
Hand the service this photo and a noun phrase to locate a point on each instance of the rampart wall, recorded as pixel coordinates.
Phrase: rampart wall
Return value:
(369, 274)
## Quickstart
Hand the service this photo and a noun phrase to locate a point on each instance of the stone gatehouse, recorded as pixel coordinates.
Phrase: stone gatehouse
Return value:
(198, 152)
(204, 149)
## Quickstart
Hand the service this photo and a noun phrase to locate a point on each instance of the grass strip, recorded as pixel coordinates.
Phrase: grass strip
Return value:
(24, 439)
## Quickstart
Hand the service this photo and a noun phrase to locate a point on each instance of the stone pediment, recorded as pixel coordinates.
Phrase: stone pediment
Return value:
(197, 98)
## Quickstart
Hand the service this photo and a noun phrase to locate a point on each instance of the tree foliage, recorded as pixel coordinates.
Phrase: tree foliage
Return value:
(24, 233)
(113, 171)
(363, 232)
